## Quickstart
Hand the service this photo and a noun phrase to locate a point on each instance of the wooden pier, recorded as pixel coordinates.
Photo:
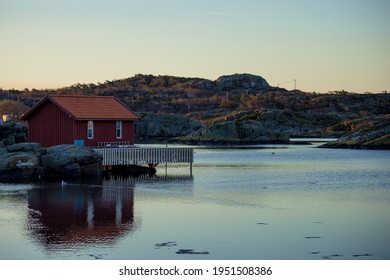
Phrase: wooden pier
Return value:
(151, 156)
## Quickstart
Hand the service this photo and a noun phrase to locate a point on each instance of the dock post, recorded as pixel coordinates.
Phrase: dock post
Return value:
(166, 162)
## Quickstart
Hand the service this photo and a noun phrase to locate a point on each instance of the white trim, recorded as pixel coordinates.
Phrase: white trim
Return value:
(118, 129)
(90, 129)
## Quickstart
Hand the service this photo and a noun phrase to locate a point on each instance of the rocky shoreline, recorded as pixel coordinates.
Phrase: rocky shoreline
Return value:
(267, 127)
(28, 161)
(20, 160)
(366, 133)
(247, 127)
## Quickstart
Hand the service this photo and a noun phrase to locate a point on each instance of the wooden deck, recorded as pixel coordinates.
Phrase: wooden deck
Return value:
(150, 156)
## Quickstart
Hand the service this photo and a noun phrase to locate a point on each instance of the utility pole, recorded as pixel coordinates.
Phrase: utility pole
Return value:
(295, 84)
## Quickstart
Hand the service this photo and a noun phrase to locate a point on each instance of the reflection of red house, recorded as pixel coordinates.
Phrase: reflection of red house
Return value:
(76, 214)
(87, 120)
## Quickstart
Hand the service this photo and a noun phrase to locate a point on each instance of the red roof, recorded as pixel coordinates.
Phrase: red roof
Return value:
(89, 107)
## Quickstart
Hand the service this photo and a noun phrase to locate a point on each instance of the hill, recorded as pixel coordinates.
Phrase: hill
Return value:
(178, 106)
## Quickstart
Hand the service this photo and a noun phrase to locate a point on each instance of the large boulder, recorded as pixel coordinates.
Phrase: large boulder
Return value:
(242, 83)
(71, 161)
(17, 166)
(26, 161)
(24, 147)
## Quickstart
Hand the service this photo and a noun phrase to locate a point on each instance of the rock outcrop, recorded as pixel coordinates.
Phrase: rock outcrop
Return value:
(165, 125)
(240, 82)
(16, 166)
(26, 161)
(261, 126)
(71, 160)
(236, 132)
(12, 133)
(365, 133)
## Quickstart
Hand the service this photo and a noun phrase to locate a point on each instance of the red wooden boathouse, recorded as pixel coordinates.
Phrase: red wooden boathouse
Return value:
(85, 120)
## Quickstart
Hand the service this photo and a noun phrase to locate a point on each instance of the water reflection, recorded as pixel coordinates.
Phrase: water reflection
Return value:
(298, 203)
(74, 214)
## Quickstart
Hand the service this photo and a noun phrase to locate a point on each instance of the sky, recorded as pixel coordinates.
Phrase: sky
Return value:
(323, 45)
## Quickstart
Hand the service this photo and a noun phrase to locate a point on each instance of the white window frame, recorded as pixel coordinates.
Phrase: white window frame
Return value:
(90, 130)
(118, 129)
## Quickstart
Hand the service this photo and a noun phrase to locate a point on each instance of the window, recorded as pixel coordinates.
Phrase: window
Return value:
(90, 130)
(118, 129)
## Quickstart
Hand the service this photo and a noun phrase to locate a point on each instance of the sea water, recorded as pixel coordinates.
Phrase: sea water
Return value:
(257, 202)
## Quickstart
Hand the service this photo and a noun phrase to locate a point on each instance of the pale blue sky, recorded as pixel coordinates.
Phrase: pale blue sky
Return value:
(326, 45)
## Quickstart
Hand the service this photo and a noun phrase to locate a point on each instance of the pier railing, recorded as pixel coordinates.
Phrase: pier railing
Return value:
(138, 156)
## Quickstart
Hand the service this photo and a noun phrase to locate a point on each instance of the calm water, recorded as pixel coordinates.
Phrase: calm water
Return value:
(275, 202)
